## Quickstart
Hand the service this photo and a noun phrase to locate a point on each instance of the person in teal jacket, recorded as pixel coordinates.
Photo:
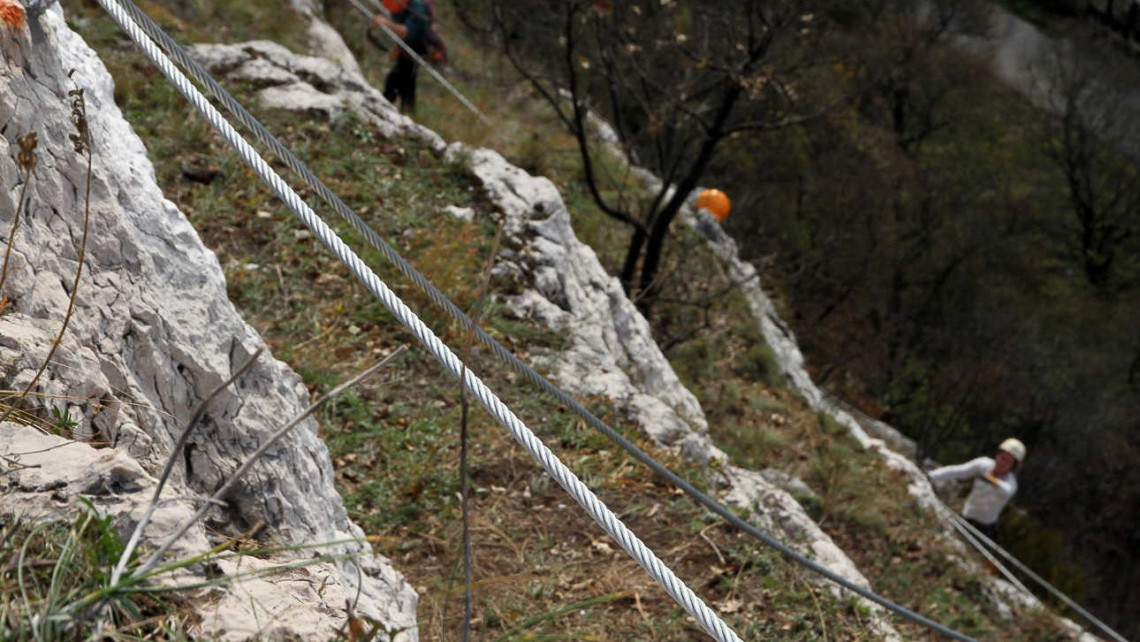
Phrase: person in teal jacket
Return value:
(411, 22)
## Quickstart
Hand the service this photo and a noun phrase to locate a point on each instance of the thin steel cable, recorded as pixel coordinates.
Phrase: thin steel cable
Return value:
(597, 510)
(376, 241)
(1037, 578)
(1010, 577)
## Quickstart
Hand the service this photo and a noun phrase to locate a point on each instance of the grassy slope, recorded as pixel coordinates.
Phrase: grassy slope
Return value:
(395, 443)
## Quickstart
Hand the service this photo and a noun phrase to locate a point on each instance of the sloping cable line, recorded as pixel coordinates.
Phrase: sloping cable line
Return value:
(972, 541)
(421, 62)
(199, 74)
(597, 510)
(978, 535)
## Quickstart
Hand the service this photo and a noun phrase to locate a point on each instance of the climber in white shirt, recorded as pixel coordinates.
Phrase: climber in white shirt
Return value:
(994, 484)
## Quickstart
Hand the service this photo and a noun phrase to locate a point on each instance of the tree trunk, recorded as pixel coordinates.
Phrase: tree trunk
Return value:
(647, 287)
(660, 224)
(629, 268)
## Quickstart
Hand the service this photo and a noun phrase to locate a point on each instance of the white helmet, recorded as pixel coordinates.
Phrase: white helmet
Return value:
(1013, 447)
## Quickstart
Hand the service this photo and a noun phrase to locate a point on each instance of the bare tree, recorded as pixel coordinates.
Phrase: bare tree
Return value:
(911, 72)
(675, 80)
(1095, 143)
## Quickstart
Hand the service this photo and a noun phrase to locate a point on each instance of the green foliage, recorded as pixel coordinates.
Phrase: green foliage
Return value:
(696, 360)
(754, 446)
(395, 458)
(50, 573)
(917, 409)
(759, 362)
(1045, 551)
(62, 423)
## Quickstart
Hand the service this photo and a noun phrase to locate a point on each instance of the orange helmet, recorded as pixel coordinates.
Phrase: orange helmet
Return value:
(716, 202)
(395, 6)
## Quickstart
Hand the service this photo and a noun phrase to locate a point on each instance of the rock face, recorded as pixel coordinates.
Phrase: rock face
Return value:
(324, 41)
(151, 335)
(308, 85)
(611, 350)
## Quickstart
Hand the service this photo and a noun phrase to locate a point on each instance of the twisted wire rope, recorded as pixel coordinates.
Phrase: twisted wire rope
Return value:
(972, 541)
(962, 523)
(199, 74)
(682, 594)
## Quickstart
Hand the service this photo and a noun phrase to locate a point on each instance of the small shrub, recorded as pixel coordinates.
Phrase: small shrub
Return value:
(759, 363)
(768, 405)
(49, 573)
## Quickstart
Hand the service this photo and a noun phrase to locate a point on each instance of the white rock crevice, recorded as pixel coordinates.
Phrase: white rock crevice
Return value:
(152, 334)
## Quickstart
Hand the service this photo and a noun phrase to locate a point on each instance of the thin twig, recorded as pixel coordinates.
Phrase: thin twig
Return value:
(464, 403)
(26, 158)
(709, 541)
(15, 463)
(60, 445)
(178, 446)
(13, 563)
(82, 141)
(269, 443)
(819, 612)
(644, 615)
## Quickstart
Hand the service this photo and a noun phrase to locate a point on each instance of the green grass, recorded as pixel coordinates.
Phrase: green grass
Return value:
(55, 584)
(56, 580)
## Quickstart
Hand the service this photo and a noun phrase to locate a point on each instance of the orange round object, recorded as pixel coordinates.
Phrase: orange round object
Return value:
(716, 202)
(395, 6)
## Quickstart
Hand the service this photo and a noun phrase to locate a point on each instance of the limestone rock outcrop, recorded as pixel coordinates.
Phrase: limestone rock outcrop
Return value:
(308, 84)
(151, 335)
(324, 41)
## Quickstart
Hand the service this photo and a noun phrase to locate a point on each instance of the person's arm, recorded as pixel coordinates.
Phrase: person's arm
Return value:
(1007, 486)
(400, 30)
(972, 468)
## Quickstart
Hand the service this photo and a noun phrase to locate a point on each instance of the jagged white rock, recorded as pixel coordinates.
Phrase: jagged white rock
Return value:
(324, 41)
(611, 350)
(60, 469)
(153, 332)
(53, 469)
(307, 84)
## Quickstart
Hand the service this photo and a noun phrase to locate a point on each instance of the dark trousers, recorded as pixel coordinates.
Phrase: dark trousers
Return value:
(401, 82)
(989, 530)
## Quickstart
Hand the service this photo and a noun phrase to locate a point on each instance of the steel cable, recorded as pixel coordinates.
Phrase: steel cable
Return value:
(978, 535)
(199, 74)
(597, 510)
